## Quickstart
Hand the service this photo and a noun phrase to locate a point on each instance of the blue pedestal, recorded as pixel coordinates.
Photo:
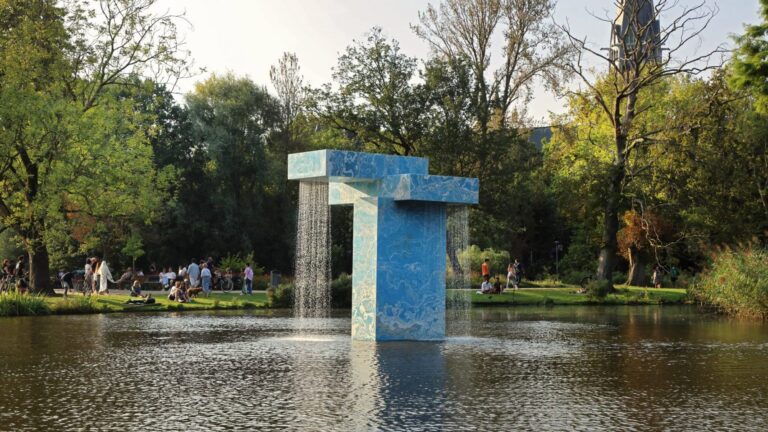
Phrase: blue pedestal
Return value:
(398, 264)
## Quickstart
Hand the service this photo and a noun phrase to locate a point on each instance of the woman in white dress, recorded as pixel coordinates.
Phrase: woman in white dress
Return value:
(105, 276)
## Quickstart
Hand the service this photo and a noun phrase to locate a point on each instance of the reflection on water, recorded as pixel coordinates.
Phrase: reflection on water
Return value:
(580, 368)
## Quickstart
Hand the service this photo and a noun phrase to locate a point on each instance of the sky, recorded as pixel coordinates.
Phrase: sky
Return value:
(246, 37)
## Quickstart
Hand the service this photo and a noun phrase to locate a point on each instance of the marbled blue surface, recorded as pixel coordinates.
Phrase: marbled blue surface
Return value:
(410, 276)
(343, 166)
(418, 187)
(398, 263)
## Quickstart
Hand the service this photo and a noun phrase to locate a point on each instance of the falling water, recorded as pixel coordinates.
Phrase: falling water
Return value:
(312, 285)
(458, 279)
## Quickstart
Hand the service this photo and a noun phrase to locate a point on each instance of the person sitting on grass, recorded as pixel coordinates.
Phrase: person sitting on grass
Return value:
(486, 287)
(136, 289)
(177, 291)
(496, 286)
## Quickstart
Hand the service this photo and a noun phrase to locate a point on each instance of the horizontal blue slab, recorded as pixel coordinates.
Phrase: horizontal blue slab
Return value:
(415, 187)
(348, 166)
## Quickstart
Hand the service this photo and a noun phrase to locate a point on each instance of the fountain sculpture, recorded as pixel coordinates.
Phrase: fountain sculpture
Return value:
(399, 239)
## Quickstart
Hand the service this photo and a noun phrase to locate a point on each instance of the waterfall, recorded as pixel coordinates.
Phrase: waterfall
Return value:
(459, 300)
(312, 285)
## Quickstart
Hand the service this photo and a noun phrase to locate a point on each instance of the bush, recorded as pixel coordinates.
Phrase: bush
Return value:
(736, 283)
(598, 289)
(17, 304)
(282, 297)
(76, 305)
(237, 263)
(341, 294)
(498, 260)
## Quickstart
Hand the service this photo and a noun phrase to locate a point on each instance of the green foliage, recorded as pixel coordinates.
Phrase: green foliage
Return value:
(134, 247)
(17, 304)
(598, 289)
(750, 62)
(282, 298)
(497, 260)
(76, 305)
(737, 282)
(237, 263)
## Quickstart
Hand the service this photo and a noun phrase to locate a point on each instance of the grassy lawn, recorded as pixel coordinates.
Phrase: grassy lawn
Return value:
(568, 296)
(117, 303)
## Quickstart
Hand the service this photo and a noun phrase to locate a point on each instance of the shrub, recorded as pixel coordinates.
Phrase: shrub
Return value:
(17, 304)
(282, 297)
(498, 260)
(76, 305)
(598, 289)
(237, 263)
(736, 283)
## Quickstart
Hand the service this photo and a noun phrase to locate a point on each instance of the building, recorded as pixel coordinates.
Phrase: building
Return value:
(635, 20)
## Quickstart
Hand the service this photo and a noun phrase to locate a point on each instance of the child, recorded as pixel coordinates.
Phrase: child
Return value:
(136, 289)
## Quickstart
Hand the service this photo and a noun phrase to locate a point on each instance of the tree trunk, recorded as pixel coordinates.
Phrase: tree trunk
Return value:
(38, 271)
(607, 260)
(636, 276)
(608, 248)
(454, 259)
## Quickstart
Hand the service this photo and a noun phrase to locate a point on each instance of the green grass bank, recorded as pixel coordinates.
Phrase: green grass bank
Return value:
(14, 304)
(569, 296)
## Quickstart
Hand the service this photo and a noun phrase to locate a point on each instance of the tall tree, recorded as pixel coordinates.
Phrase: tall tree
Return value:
(374, 100)
(288, 83)
(68, 142)
(532, 48)
(644, 53)
(231, 119)
(750, 63)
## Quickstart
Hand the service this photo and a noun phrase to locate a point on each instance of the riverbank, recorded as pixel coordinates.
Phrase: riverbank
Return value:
(569, 296)
(25, 305)
(12, 305)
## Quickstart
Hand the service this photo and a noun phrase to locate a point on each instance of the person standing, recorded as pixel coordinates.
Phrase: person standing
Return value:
(66, 281)
(485, 270)
(18, 271)
(193, 271)
(87, 276)
(510, 274)
(95, 282)
(657, 277)
(206, 276)
(517, 268)
(105, 276)
(673, 274)
(248, 275)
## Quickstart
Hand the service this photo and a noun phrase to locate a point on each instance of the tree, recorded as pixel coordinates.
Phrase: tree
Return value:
(231, 120)
(750, 62)
(532, 48)
(636, 63)
(288, 83)
(68, 142)
(374, 101)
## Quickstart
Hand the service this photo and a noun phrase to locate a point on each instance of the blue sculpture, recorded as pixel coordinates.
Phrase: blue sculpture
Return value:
(398, 264)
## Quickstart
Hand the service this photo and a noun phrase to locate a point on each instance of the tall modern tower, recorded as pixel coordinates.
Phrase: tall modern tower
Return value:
(636, 33)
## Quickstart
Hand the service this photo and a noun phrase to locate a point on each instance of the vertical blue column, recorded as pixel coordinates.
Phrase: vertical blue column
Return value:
(365, 246)
(398, 271)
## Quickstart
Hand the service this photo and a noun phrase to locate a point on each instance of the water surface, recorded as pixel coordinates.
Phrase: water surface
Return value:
(564, 368)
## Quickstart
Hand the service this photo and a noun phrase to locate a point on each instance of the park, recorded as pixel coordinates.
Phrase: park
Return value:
(406, 215)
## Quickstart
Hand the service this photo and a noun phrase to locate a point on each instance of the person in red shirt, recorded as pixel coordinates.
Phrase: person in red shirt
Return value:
(486, 272)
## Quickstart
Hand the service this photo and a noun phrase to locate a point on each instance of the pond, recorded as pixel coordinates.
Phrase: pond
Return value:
(563, 368)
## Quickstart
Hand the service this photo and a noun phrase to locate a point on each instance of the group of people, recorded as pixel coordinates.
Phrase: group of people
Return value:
(658, 275)
(14, 274)
(95, 279)
(514, 276)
